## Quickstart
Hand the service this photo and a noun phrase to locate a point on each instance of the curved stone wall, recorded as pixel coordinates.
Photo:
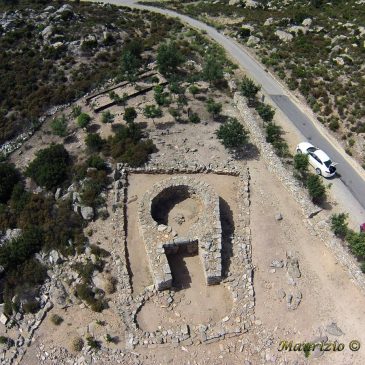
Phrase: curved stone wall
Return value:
(205, 234)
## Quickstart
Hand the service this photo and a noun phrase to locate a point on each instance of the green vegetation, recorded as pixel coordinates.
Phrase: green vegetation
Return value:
(274, 136)
(265, 111)
(169, 58)
(36, 76)
(213, 107)
(316, 188)
(232, 134)
(59, 126)
(248, 88)
(339, 225)
(107, 117)
(50, 167)
(130, 115)
(83, 120)
(56, 319)
(128, 146)
(76, 111)
(94, 142)
(94, 344)
(152, 111)
(213, 69)
(194, 118)
(161, 97)
(9, 177)
(301, 164)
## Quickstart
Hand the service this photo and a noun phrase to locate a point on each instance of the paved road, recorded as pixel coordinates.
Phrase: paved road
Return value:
(348, 174)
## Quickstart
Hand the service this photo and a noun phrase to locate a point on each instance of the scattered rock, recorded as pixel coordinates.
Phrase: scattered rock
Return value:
(284, 36)
(277, 264)
(334, 330)
(292, 266)
(278, 216)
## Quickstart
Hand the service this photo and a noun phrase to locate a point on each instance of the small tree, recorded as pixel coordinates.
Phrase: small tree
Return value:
(316, 188)
(266, 112)
(194, 89)
(169, 58)
(130, 115)
(213, 69)
(107, 117)
(59, 126)
(248, 88)
(94, 142)
(83, 120)
(232, 134)
(213, 107)
(339, 224)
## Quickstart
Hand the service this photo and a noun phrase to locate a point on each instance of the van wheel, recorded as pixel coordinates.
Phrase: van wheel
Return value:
(318, 171)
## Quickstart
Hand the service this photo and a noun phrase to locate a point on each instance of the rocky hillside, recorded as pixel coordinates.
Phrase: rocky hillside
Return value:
(317, 48)
(53, 54)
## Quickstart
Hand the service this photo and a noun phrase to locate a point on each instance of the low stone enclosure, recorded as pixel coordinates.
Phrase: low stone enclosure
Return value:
(239, 280)
(204, 236)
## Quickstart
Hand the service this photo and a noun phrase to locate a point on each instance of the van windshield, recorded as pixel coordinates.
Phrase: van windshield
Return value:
(328, 163)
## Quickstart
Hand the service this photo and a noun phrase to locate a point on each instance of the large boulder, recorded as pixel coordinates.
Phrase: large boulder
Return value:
(284, 36)
(87, 213)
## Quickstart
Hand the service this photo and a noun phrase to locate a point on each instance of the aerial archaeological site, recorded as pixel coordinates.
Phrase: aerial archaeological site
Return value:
(182, 182)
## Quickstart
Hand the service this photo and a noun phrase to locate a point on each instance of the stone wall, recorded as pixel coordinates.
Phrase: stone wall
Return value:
(206, 231)
(239, 280)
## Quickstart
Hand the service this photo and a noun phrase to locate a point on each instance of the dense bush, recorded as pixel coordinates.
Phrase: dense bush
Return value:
(248, 88)
(266, 112)
(212, 69)
(130, 115)
(356, 242)
(161, 97)
(83, 120)
(194, 118)
(232, 134)
(9, 177)
(316, 188)
(169, 58)
(339, 224)
(50, 167)
(94, 142)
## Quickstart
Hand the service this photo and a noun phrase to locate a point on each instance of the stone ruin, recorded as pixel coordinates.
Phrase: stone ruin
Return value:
(204, 236)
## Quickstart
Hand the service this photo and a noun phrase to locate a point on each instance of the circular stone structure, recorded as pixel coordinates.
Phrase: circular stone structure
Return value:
(204, 237)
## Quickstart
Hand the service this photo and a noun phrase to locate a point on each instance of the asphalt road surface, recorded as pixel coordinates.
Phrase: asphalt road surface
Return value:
(352, 180)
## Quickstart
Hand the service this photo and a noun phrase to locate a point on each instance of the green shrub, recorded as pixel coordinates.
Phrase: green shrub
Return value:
(130, 115)
(232, 134)
(151, 111)
(94, 344)
(334, 125)
(59, 126)
(161, 97)
(194, 89)
(83, 120)
(339, 224)
(94, 142)
(301, 162)
(97, 162)
(213, 107)
(316, 188)
(194, 118)
(356, 242)
(9, 177)
(248, 88)
(56, 319)
(50, 167)
(266, 112)
(107, 117)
